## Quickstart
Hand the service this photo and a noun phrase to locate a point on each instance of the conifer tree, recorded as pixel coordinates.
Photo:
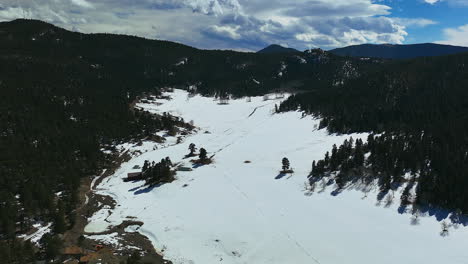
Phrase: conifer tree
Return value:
(203, 154)
(285, 163)
(59, 219)
(192, 149)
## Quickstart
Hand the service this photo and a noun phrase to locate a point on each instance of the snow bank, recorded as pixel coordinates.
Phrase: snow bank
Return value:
(237, 212)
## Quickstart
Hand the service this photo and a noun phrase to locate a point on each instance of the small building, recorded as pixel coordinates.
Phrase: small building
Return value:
(134, 176)
(73, 251)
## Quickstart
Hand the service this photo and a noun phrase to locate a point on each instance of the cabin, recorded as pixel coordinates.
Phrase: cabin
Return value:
(73, 254)
(73, 251)
(134, 176)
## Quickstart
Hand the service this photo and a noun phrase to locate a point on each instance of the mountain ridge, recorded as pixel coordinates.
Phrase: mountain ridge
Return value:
(275, 48)
(396, 51)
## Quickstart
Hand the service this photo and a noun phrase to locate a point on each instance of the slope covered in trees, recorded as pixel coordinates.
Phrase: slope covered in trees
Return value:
(417, 114)
(65, 95)
(390, 51)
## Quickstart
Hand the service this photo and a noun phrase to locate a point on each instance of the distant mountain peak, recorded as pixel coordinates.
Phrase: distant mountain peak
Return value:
(275, 48)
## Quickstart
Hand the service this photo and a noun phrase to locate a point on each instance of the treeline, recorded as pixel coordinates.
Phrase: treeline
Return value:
(144, 63)
(65, 95)
(56, 115)
(417, 114)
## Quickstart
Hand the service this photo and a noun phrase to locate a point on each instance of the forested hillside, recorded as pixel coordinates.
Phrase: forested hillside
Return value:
(64, 96)
(417, 113)
(391, 51)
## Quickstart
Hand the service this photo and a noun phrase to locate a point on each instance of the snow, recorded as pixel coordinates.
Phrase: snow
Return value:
(110, 239)
(183, 61)
(236, 212)
(98, 222)
(301, 60)
(114, 240)
(132, 228)
(282, 69)
(42, 229)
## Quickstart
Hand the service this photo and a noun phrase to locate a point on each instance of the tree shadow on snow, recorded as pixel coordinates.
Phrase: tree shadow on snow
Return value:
(336, 192)
(145, 189)
(440, 214)
(280, 176)
(134, 189)
(402, 209)
(197, 165)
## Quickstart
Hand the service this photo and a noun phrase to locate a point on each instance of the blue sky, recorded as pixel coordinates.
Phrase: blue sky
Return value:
(445, 14)
(252, 24)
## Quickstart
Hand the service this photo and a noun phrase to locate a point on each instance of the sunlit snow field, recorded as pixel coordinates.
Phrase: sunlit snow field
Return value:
(236, 212)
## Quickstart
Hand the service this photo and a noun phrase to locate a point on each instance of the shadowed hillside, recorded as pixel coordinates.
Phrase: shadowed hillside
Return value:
(388, 51)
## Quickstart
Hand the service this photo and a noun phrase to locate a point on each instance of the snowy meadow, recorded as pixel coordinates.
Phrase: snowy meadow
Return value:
(240, 209)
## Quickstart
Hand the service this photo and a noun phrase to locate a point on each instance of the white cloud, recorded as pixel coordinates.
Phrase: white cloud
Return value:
(415, 22)
(229, 31)
(82, 3)
(238, 24)
(450, 2)
(456, 36)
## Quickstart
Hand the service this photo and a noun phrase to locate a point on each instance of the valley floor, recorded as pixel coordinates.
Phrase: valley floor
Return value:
(237, 212)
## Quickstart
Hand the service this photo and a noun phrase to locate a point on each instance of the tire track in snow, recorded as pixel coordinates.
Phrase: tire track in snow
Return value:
(251, 201)
(260, 212)
(244, 133)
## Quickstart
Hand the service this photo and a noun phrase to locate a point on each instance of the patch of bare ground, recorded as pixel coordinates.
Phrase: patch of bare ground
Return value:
(90, 203)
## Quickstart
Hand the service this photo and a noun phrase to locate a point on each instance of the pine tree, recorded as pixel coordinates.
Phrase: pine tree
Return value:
(51, 245)
(146, 166)
(313, 172)
(327, 159)
(285, 163)
(203, 154)
(334, 162)
(192, 149)
(59, 219)
(358, 157)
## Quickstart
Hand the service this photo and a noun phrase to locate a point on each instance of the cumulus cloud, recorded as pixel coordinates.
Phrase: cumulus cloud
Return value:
(450, 2)
(415, 22)
(456, 36)
(82, 3)
(226, 24)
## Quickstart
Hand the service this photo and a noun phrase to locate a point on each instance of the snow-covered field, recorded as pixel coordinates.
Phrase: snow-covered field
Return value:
(236, 212)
